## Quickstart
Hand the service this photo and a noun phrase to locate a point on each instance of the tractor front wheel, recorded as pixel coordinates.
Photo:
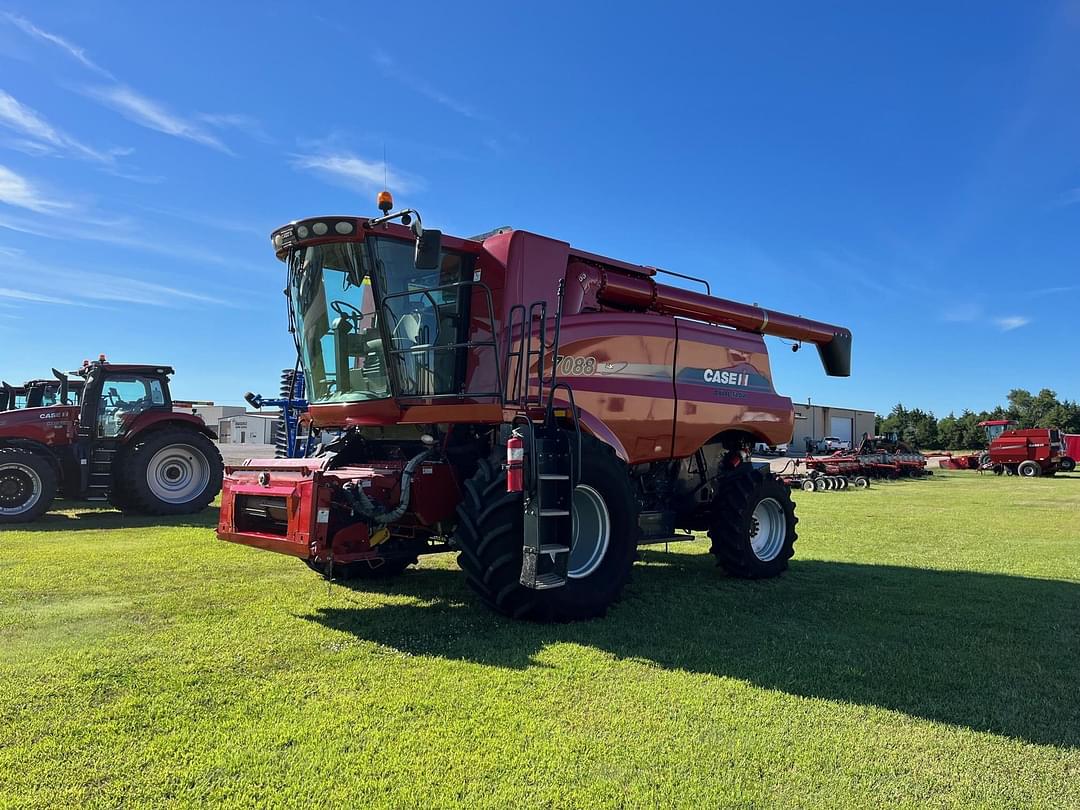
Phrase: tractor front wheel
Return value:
(27, 485)
(175, 471)
(490, 536)
(1067, 464)
(753, 526)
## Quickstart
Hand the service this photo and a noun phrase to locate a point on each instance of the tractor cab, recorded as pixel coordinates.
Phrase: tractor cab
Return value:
(114, 396)
(995, 427)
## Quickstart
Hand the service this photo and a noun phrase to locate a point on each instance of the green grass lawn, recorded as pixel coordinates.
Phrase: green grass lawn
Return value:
(923, 650)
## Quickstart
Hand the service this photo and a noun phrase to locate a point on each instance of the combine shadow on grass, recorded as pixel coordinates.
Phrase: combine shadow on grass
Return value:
(987, 652)
(80, 518)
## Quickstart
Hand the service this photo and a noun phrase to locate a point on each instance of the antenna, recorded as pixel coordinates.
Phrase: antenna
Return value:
(384, 165)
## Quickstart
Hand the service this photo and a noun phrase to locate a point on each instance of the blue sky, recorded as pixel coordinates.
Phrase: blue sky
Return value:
(914, 175)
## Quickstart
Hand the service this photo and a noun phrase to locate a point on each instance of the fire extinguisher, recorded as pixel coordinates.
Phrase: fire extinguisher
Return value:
(515, 463)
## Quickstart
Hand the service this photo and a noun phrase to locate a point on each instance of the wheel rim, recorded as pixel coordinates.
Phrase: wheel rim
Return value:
(768, 529)
(178, 473)
(20, 488)
(592, 532)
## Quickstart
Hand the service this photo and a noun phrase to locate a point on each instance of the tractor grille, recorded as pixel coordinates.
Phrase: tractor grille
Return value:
(262, 514)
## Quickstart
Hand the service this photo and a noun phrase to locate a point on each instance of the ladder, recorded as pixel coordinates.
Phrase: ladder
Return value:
(553, 453)
(99, 478)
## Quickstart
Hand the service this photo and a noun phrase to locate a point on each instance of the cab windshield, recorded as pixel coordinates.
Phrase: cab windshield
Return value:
(351, 340)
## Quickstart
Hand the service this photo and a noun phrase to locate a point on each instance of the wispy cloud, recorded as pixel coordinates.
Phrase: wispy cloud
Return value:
(35, 298)
(1062, 290)
(1008, 323)
(961, 313)
(74, 51)
(154, 115)
(44, 137)
(100, 289)
(19, 192)
(124, 233)
(392, 70)
(247, 124)
(353, 171)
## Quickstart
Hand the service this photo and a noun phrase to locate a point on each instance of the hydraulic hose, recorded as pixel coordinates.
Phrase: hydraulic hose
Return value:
(365, 507)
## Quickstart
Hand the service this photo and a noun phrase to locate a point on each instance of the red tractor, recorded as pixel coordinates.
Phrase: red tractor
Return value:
(1030, 453)
(123, 444)
(536, 408)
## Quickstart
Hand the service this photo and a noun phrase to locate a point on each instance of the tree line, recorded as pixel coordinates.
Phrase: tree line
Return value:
(925, 431)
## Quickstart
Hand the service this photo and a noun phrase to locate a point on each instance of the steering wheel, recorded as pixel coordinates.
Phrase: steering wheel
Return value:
(346, 310)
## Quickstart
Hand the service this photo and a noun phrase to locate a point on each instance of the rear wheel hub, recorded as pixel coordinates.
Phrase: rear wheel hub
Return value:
(178, 473)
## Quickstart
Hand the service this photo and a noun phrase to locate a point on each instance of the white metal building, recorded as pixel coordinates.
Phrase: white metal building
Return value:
(250, 427)
(814, 422)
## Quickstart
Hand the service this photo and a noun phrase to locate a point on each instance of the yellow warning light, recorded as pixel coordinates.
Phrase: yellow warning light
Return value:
(386, 202)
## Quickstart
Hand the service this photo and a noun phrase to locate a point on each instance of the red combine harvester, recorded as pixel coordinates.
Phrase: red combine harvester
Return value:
(539, 409)
(123, 444)
(1030, 453)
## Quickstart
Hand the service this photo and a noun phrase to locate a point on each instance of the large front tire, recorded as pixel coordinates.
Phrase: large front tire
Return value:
(1068, 464)
(175, 471)
(490, 536)
(27, 485)
(753, 526)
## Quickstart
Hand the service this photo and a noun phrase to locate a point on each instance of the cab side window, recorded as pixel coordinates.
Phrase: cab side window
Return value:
(123, 398)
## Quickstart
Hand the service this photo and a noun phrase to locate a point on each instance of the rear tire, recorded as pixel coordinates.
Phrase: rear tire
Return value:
(174, 471)
(490, 536)
(28, 485)
(1029, 469)
(753, 526)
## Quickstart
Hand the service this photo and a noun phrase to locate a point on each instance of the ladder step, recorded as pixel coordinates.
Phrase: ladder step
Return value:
(554, 548)
(553, 477)
(546, 582)
(554, 512)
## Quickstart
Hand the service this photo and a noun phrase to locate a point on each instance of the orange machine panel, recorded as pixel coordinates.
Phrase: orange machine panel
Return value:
(723, 382)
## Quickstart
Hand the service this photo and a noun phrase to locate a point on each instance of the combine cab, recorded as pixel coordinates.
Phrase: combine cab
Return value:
(536, 408)
(123, 444)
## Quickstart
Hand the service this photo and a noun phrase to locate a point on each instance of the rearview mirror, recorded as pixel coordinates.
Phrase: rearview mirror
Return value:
(428, 250)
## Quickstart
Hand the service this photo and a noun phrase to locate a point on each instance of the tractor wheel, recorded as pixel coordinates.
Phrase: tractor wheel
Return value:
(819, 484)
(843, 482)
(175, 471)
(27, 485)
(365, 569)
(1067, 464)
(808, 485)
(862, 482)
(491, 527)
(753, 526)
(1029, 469)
